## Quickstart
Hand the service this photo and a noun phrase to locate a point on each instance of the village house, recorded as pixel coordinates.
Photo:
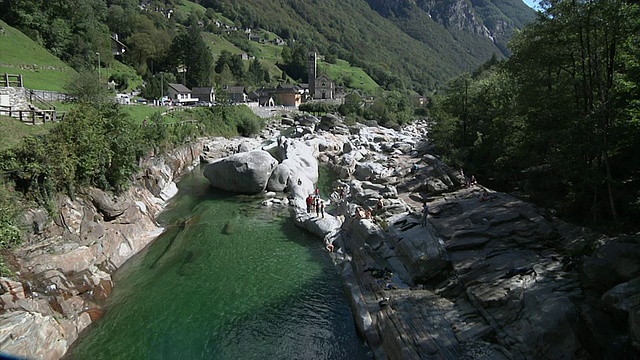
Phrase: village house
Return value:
(204, 93)
(180, 94)
(236, 94)
(288, 95)
(263, 96)
(254, 37)
(117, 47)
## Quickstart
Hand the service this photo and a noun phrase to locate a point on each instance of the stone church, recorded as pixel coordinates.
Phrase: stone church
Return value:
(321, 87)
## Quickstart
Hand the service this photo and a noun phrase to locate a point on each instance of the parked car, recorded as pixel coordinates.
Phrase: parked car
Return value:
(204, 103)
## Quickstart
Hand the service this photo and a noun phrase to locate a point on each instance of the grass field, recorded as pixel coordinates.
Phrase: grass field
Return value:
(342, 70)
(12, 131)
(141, 112)
(135, 80)
(217, 44)
(39, 69)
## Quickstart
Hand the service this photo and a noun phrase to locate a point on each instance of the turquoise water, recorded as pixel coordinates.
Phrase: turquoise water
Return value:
(229, 279)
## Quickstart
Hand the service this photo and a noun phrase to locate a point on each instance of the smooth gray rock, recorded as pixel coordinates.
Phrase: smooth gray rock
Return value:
(279, 178)
(246, 172)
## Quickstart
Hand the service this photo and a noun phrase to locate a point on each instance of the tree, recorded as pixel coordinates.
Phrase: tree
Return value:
(233, 62)
(193, 54)
(294, 60)
(352, 105)
(393, 108)
(85, 88)
(257, 74)
(225, 78)
(573, 55)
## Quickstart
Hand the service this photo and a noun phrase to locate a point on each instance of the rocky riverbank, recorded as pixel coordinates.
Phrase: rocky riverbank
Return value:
(64, 270)
(487, 276)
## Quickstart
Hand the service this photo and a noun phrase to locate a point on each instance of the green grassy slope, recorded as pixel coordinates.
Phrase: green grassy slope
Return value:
(12, 131)
(343, 73)
(40, 70)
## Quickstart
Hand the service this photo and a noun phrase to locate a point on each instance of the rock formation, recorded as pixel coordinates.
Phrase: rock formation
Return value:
(65, 268)
(246, 172)
(486, 276)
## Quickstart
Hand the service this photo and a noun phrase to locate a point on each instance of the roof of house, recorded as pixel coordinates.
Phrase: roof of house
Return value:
(180, 88)
(203, 89)
(115, 39)
(287, 88)
(234, 89)
(323, 76)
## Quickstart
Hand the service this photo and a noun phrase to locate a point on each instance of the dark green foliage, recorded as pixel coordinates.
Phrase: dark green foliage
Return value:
(121, 80)
(192, 53)
(10, 228)
(558, 119)
(391, 109)
(85, 88)
(318, 107)
(157, 85)
(294, 61)
(257, 74)
(249, 125)
(233, 62)
(73, 30)
(352, 105)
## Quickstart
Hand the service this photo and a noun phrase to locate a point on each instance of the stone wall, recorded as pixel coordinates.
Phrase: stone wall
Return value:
(14, 97)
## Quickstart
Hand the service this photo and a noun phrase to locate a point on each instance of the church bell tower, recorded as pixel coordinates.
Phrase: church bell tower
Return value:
(312, 69)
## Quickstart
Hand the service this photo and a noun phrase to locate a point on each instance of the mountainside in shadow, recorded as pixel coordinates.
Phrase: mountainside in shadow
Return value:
(421, 43)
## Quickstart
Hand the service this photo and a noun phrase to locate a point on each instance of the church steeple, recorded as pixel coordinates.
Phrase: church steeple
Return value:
(312, 70)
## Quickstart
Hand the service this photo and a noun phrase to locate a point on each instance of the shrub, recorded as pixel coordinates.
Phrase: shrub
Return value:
(248, 126)
(10, 232)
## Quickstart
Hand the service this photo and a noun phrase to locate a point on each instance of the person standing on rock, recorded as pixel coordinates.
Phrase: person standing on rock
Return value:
(379, 206)
(309, 203)
(317, 206)
(322, 208)
(425, 214)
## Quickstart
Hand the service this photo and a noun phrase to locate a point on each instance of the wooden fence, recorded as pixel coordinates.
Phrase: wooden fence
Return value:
(11, 80)
(35, 116)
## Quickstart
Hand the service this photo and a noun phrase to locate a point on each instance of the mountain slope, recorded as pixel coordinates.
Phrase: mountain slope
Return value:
(419, 42)
(39, 69)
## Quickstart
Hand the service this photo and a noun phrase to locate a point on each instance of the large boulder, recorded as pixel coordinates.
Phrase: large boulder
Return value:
(307, 120)
(279, 178)
(300, 159)
(246, 172)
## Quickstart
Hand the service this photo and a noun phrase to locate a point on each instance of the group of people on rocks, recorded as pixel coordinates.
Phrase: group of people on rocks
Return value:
(314, 203)
(468, 181)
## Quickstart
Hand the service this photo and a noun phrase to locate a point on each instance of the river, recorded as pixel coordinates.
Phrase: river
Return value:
(229, 279)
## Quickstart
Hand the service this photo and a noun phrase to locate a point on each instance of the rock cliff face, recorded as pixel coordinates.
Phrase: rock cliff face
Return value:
(492, 20)
(65, 268)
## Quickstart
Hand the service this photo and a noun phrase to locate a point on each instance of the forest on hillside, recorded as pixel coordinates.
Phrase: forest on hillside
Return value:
(559, 121)
(398, 52)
